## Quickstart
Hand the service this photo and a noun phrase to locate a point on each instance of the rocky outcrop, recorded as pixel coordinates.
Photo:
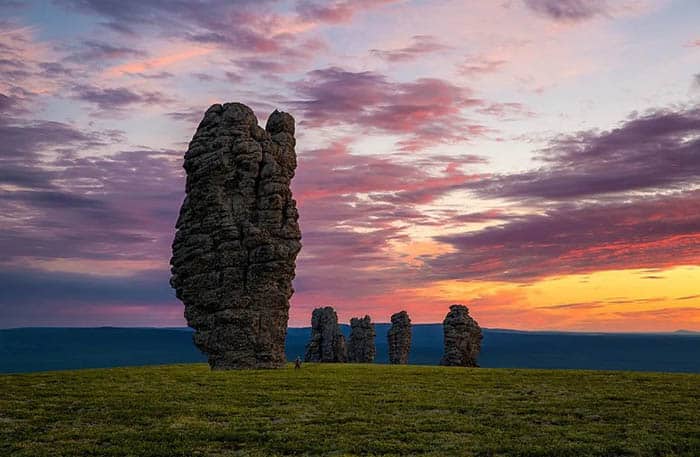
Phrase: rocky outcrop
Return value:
(399, 337)
(327, 343)
(462, 338)
(361, 348)
(237, 237)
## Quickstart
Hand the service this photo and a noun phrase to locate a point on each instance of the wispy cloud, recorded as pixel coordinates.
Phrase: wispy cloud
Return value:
(426, 112)
(421, 45)
(646, 152)
(568, 10)
(568, 239)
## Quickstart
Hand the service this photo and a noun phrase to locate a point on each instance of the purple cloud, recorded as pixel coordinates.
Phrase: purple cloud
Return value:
(420, 46)
(652, 233)
(83, 298)
(335, 11)
(657, 150)
(12, 106)
(69, 202)
(568, 10)
(480, 66)
(113, 99)
(426, 112)
(92, 50)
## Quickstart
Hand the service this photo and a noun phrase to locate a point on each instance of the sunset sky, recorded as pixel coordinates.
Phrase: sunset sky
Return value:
(536, 160)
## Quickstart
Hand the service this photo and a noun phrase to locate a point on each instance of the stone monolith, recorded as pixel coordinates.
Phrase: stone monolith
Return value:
(237, 237)
(361, 348)
(399, 337)
(327, 343)
(462, 338)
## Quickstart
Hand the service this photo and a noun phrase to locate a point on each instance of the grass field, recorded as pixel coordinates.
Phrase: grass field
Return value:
(349, 410)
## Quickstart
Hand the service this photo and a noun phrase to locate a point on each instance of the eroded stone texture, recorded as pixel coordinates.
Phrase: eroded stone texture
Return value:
(327, 343)
(361, 348)
(399, 337)
(462, 338)
(237, 237)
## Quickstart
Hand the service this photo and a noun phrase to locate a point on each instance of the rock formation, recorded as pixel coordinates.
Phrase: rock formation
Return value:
(462, 338)
(327, 343)
(399, 337)
(237, 237)
(361, 348)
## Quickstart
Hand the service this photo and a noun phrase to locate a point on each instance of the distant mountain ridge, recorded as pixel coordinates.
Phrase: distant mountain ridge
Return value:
(39, 349)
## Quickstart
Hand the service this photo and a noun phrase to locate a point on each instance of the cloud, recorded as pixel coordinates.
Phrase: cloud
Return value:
(657, 150)
(354, 207)
(421, 45)
(568, 10)
(425, 112)
(237, 25)
(288, 61)
(689, 297)
(26, 71)
(649, 233)
(506, 111)
(68, 201)
(92, 50)
(335, 12)
(114, 99)
(480, 66)
(335, 171)
(11, 106)
(246, 26)
(580, 305)
(19, 287)
(56, 298)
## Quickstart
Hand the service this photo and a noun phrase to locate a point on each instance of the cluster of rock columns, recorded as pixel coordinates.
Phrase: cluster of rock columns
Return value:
(236, 242)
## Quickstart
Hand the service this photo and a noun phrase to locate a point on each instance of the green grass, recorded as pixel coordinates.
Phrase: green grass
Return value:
(349, 410)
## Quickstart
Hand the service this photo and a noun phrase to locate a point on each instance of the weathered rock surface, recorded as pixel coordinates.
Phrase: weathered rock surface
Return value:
(327, 343)
(237, 237)
(361, 348)
(462, 338)
(399, 337)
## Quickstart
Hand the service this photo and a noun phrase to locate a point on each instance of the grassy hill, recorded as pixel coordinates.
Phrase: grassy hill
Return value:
(349, 410)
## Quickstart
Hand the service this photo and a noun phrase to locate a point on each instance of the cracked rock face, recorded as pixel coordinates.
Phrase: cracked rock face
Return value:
(327, 343)
(462, 338)
(237, 237)
(399, 337)
(361, 348)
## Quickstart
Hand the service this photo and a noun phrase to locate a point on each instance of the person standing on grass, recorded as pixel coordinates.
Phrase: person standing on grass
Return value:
(297, 363)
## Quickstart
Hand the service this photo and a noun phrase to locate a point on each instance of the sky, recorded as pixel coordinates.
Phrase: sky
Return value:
(536, 160)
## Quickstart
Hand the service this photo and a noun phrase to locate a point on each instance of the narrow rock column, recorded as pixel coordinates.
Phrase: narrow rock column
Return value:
(327, 343)
(462, 338)
(362, 347)
(237, 237)
(399, 337)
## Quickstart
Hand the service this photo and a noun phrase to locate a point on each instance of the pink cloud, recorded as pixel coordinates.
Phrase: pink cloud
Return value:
(480, 66)
(425, 112)
(335, 12)
(421, 45)
(659, 232)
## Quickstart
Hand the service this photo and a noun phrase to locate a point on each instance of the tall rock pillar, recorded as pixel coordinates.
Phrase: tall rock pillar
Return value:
(462, 338)
(327, 343)
(237, 237)
(361, 348)
(399, 337)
